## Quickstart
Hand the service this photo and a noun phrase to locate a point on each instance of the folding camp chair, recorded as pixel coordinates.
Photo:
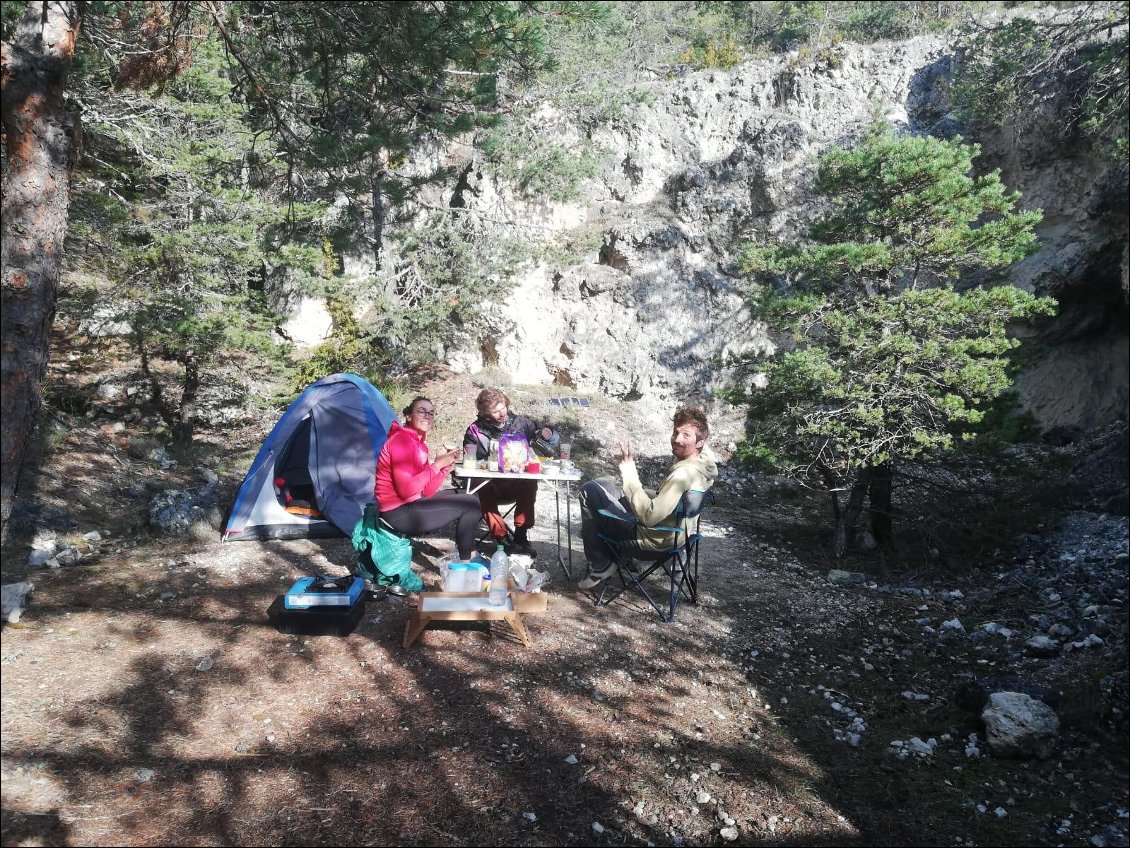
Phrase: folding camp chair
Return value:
(677, 565)
(484, 526)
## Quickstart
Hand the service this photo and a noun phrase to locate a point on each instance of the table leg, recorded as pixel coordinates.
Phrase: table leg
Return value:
(519, 628)
(415, 627)
(566, 567)
(569, 526)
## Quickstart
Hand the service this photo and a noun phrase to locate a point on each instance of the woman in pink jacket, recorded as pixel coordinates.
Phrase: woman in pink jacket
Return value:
(407, 490)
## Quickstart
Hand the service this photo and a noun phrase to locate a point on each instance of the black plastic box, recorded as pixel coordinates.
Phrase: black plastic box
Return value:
(316, 621)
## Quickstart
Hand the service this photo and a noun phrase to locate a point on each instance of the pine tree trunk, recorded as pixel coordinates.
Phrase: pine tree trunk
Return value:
(186, 424)
(379, 215)
(882, 485)
(850, 514)
(41, 144)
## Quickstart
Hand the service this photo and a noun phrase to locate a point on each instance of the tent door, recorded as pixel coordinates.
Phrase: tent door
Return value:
(293, 466)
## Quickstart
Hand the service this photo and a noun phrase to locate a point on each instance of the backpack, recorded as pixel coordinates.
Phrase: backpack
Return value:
(383, 556)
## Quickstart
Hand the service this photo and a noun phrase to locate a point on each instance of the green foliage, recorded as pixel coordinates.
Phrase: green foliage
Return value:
(167, 208)
(800, 24)
(902, 212)
(890, 377)
(1007, 423)
(887, 360)
(541, 167)
(453, 264)
(10, 14)
(1018, 68)
(347, 89)
(577, 245)
(721, 52)
(348, 349)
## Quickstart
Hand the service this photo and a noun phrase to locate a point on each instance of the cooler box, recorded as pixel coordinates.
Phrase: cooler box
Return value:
(324, 594)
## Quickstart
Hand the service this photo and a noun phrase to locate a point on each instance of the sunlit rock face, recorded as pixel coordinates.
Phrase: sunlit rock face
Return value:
(651, 310)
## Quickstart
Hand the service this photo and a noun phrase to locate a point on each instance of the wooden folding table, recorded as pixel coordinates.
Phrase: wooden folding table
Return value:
(474, 606)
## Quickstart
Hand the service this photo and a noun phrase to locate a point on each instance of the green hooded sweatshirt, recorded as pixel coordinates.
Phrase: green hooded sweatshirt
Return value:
(698, 472)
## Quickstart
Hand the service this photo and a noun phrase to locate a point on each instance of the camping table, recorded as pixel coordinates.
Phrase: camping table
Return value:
(561, 482)
(474, 606)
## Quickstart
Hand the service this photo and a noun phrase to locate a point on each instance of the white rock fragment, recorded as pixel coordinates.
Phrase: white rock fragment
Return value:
(571, 759)
(1042, 646)
(997, 630)
(39, 557)
(920, 748)
(530, 816)
(597, 827)
(14, 599)
(953, 624)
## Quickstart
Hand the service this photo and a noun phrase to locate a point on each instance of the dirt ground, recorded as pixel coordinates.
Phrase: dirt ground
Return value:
(147, 700)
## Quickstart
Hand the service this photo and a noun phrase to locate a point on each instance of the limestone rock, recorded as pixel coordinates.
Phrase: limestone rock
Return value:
(1017, 725)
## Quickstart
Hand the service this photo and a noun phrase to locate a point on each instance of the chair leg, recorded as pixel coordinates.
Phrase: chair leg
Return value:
(690, 578)
(632, 580)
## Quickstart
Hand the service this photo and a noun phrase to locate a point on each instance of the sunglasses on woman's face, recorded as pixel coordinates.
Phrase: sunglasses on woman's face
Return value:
(427, 413)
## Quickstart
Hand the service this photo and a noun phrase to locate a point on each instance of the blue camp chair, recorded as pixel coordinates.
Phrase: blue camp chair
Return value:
(677, 565)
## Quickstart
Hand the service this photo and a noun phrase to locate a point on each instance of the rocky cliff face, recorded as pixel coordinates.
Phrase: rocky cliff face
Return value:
(717, 159)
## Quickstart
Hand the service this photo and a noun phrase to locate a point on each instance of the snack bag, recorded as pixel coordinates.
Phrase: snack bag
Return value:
(513, 453)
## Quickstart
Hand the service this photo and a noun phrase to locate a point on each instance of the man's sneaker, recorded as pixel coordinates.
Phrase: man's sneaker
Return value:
(595, 578)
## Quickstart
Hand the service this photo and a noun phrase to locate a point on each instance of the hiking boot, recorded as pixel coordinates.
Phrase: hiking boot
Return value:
(523, 547)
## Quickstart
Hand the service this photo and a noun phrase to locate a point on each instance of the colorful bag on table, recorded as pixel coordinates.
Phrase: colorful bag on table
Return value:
(513, 452)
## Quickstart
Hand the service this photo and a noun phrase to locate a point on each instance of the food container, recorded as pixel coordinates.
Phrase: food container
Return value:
(472, 577)
(456, 577)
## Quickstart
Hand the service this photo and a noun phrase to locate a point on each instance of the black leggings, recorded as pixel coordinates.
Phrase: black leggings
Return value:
(429, 514)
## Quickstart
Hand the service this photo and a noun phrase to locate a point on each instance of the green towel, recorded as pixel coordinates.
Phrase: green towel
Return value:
(383, 556)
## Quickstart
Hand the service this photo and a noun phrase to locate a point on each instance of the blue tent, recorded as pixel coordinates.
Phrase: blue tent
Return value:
(325, 447)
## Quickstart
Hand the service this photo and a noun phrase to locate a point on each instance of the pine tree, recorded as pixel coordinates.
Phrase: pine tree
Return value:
(891, 355)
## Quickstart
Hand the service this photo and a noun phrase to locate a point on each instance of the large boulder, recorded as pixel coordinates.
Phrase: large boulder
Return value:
(1017, 725)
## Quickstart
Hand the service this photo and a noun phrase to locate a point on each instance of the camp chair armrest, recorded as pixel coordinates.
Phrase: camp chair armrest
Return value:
(613, 515)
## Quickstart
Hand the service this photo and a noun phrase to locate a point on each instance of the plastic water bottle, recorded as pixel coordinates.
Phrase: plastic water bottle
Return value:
(499, 575)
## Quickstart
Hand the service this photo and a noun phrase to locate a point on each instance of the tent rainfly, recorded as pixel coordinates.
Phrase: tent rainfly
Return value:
(315, 472)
